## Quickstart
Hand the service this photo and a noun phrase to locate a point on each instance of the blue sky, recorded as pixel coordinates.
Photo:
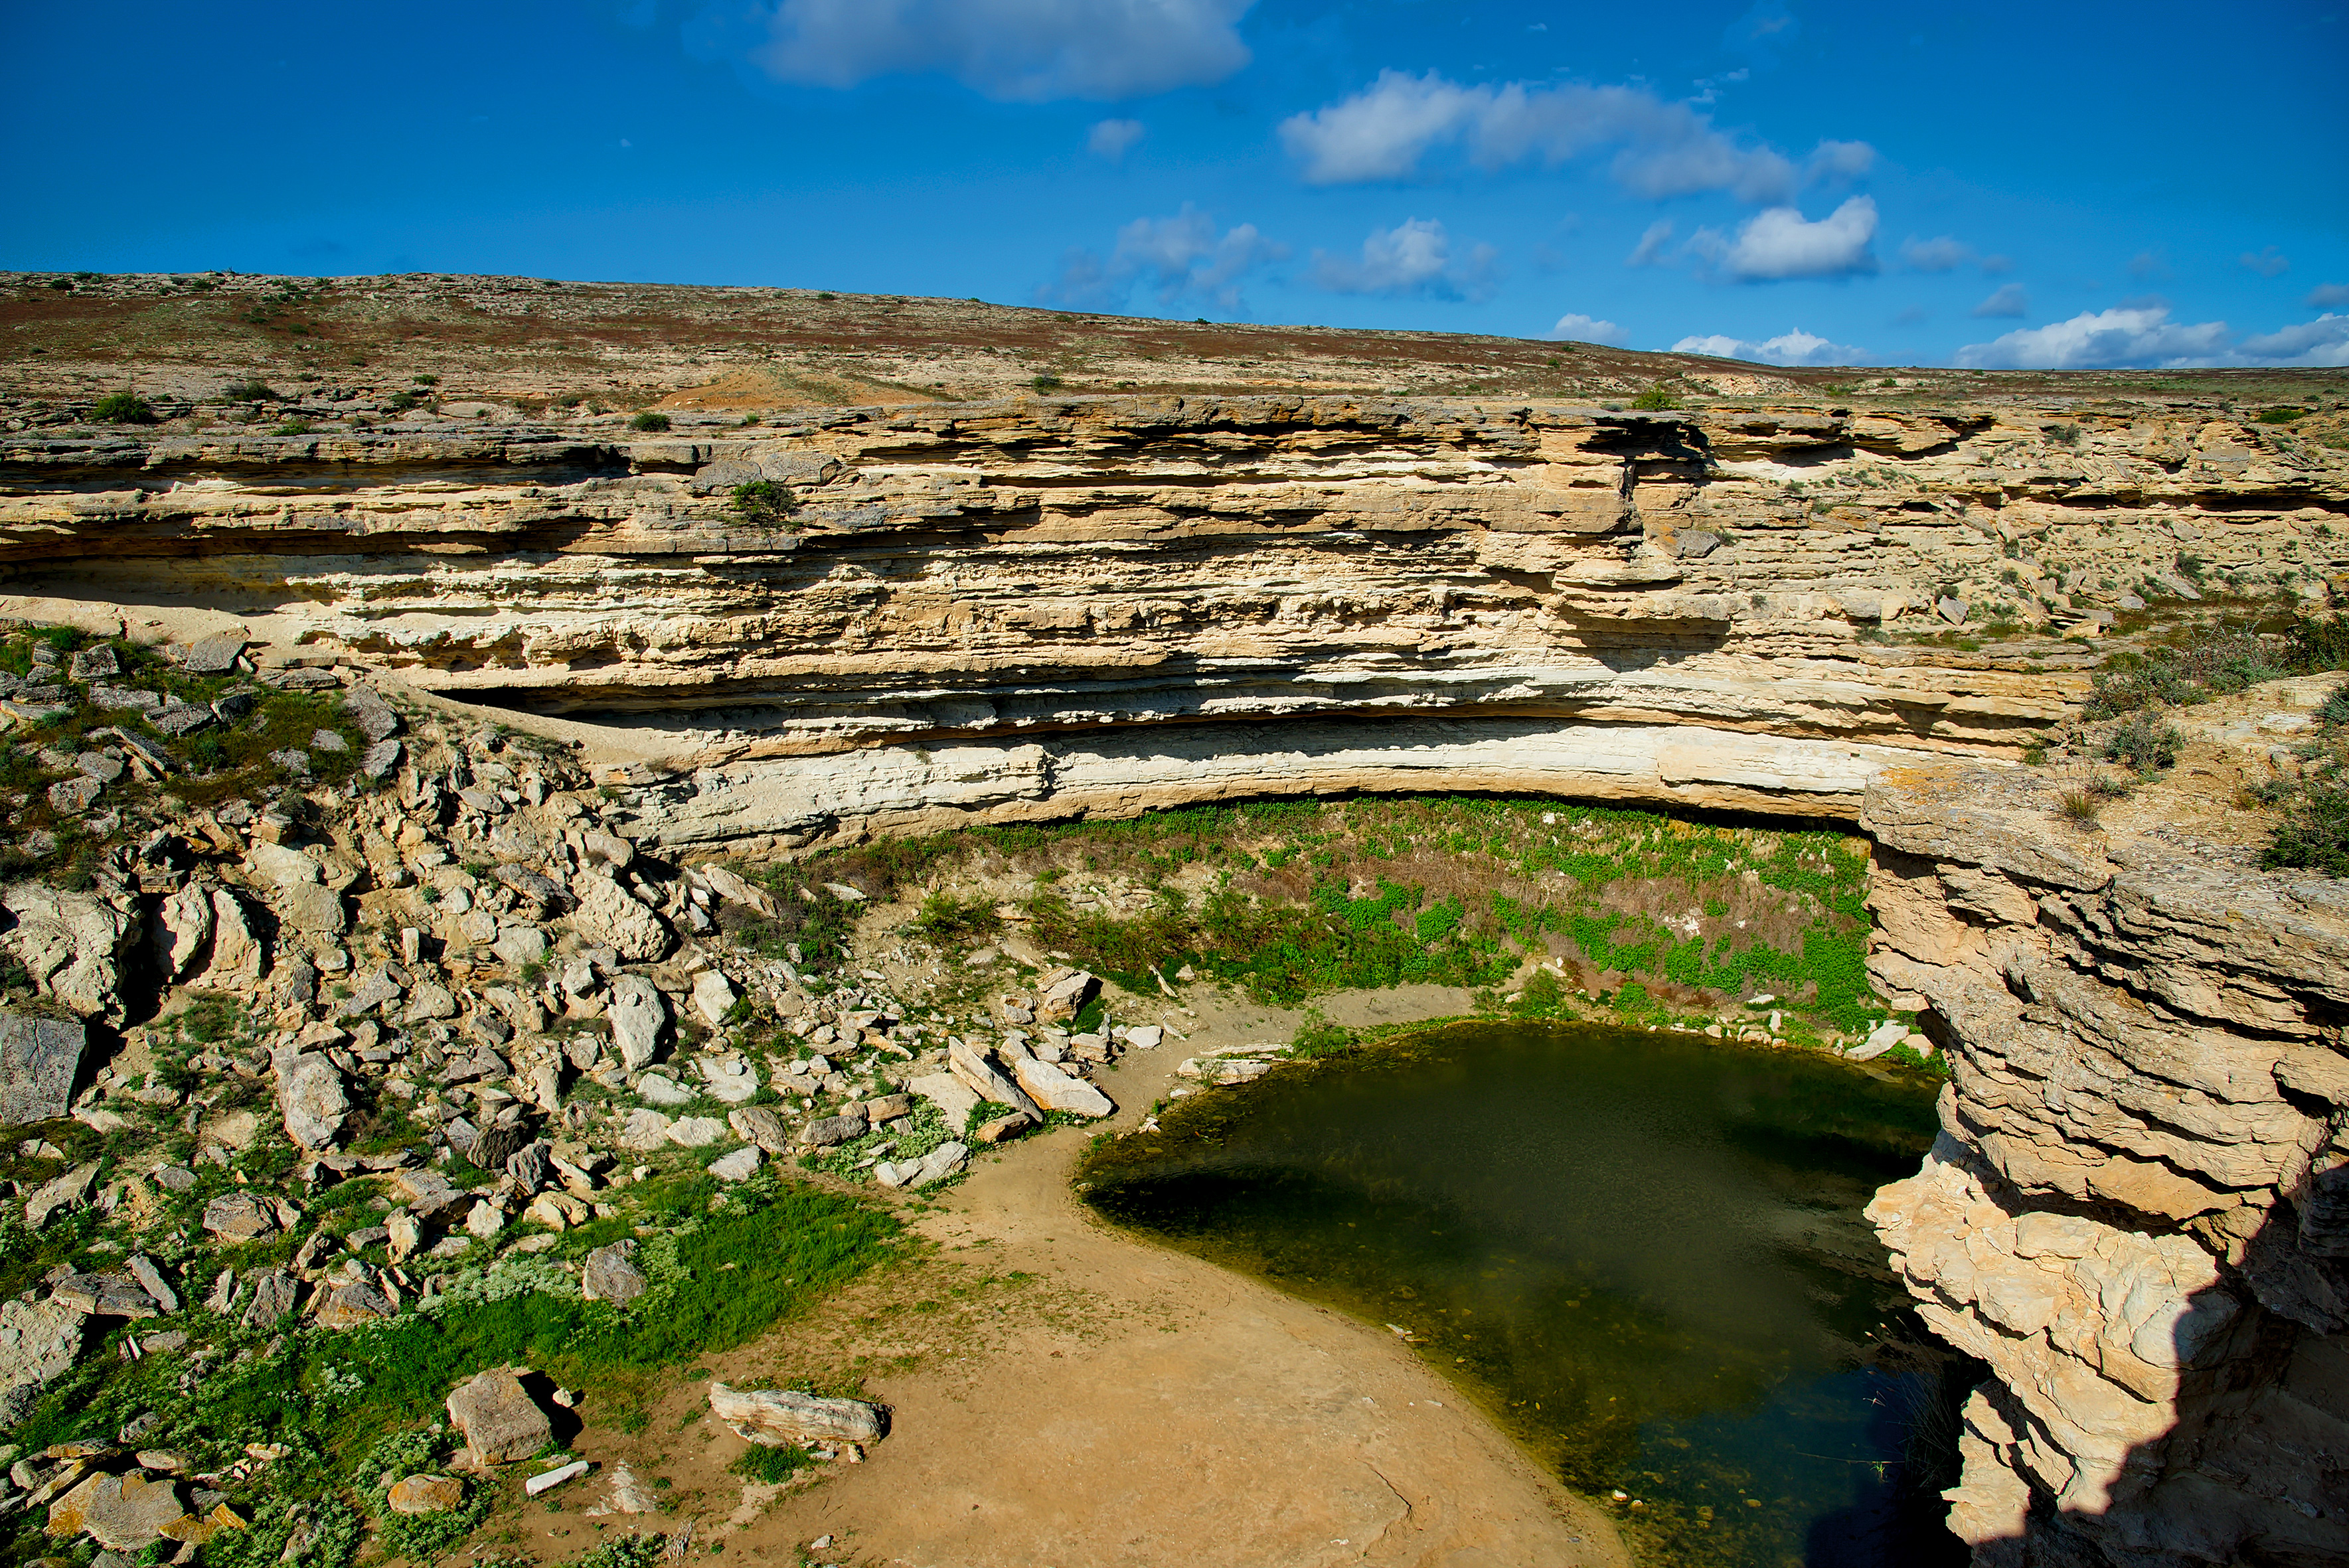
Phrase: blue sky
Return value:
(1791, 180)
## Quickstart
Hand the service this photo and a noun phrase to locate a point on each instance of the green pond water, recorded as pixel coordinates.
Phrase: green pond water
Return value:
(1642, 1253)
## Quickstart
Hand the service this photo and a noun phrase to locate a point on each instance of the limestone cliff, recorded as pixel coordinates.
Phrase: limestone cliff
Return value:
(2134, 1213)
(1008, 609)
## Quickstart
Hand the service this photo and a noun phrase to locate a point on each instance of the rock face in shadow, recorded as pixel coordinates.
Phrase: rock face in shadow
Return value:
(2134, 1212)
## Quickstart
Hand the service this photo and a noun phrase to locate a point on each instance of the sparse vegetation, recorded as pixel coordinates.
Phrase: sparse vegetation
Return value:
(649, 421)
(123, 409)
(1656, 396)
(762, 501)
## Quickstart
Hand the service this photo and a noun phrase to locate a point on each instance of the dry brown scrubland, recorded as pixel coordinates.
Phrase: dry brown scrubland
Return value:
(894, 565)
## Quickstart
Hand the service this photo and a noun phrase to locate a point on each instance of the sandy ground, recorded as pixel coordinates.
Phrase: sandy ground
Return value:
(1124, 1405)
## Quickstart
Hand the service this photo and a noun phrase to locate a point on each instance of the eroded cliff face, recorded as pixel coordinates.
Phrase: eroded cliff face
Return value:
(2134, 1212)
(1053, 608)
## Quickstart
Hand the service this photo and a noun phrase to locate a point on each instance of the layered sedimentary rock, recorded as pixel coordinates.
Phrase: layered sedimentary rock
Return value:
(2134, 1213)
(1053, 593)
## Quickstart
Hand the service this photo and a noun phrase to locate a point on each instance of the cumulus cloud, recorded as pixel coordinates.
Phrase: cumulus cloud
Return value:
(2327, 294)
(1113, 138)
(1414, 257)
(2322, 342)
(2009, 302)
(1027, 51)
(2267, 262)
(1175, 256)
(2150, 265)
(1780, 244)
(1649, 251)
(1794, 348)
(2139, 334)
(1575, 328)
(1662, 148)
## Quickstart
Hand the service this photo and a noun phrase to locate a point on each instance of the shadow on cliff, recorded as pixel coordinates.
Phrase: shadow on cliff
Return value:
(2254, 1467)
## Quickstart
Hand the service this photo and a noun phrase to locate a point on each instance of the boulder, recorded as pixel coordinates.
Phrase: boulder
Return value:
(659, 1089)
(739, 1166)
(610, 1274)
(759, 1125)
(638, 1014)
(38, 1343)
(150, 1280)
(826, 1132)
(236, 962)
(103, 1295)
(608, 916)
(696, 1131)
(500, 1421)
(121, 1513)
(214, 655)
(644, 1130)
(282, 867)
(60, 1193)
(377, 760)
(377, 720)
(72, 796)
(520, 945)
(1146, 1037)
(310, 1097)
(984, 1079)
(1053, 1089)
(309, 907)
(1066, 997)
(71, 945)
(239, 1217)
(735, 1082)
(953, 1098)
(425, 1494)
(713, 996)
(773, 1418)
(39, 1059)
(181, 926)
(353, 1304)
(274, 1293)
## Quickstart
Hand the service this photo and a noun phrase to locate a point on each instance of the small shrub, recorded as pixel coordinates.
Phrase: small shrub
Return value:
(1656, 396)
(2078, 807)
(295, 428)
(2281, 415)
(1318, 1036)
(123, 409)
(2333, 712)
(2314, 832)
(426, 380)
(402, 401)
(2315, 642)
(770, 1466)
(946, 919)
(762, 501)
(2064, 434)
(252, 389)
(2145, 744)
(1047, 382)
(649, 420)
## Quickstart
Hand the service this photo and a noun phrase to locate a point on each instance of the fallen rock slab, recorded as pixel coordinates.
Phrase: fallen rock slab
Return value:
(121, 1513)
(425, 1494)
(1056, 1090)
(610, 1274)
(638, 1014)
(775, 1416)
(500, 1421)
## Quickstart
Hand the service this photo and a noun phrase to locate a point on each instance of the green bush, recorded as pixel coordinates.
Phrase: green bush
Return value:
(1047, 382)
(2145, 745)
(2313, 644)
(762, 501)
(123, 409)
(252, 389)
(770, 1466)
(945, 919)
(649, 420)
(2314, 832)
(1655, 397)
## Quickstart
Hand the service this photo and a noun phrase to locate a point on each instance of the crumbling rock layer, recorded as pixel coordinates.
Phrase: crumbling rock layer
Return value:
(1044, 583)
(2134, 1212)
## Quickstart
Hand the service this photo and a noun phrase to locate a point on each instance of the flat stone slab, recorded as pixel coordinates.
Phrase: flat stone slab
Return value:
(39, 1057)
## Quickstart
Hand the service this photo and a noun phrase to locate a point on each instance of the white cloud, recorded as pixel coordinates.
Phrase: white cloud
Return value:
(1941, 254)
(1025, 50)
(1662, 148)
(2106, 339)
(1113, 138)
(1649, 251)
(1794, 348)
(1414, 257)
(2010, 301)
(1780, 244)
(1575, 327)
(1175, 256)
(2322, 342)
(2267, 264)
(2327, 294)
